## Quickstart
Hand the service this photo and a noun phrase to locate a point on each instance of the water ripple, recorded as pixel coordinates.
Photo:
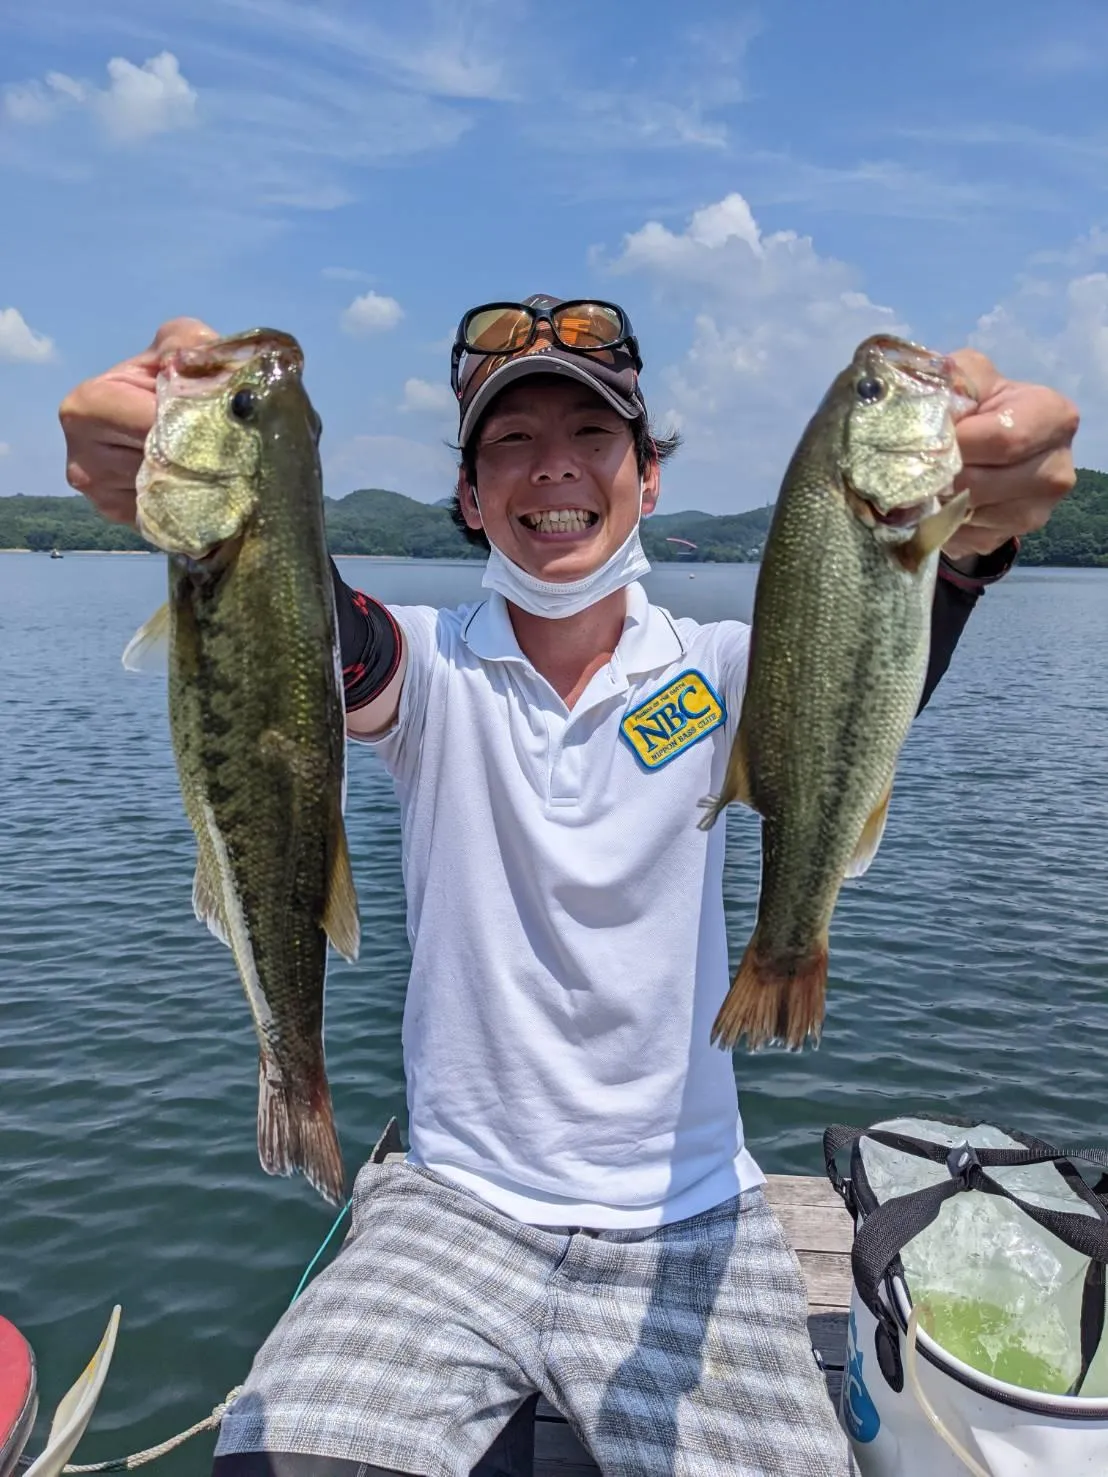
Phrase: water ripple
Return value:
(968, 968)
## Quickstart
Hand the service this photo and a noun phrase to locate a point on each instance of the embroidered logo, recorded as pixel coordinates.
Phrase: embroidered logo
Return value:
(681, 714)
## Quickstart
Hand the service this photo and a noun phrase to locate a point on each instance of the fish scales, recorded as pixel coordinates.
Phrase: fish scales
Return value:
(819, 747)
(839, 647)
(257, 717)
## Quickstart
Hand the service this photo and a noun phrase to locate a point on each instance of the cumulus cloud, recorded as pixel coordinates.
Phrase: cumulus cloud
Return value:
(426, 397)
(19, 342)
(773, 323)
(1054, 328)
(371, 313)
(138, 101)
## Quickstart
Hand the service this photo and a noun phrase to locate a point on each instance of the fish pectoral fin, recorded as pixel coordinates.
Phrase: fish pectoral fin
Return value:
(736, 785)
(148, 648)
(340, 915)
(207, 902)
(933, 532)
(870, 839)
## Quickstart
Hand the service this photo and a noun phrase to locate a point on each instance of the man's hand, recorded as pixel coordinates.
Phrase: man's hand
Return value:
(106, 421)
(1016, 456)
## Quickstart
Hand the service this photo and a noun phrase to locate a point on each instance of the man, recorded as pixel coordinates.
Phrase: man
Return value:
(578, 1213)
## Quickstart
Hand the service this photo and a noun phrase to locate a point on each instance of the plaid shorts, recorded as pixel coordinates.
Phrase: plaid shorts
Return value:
(681, 1349)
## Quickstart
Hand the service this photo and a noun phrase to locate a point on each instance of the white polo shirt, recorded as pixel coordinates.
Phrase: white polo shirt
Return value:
(565, 915)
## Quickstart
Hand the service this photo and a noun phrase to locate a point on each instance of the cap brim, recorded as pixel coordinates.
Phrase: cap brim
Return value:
(526, 364)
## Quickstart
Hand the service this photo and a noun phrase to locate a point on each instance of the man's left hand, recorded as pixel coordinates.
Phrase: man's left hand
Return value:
(1016, 454)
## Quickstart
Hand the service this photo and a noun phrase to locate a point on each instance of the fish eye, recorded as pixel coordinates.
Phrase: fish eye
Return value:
(870, 390)
(243, 404)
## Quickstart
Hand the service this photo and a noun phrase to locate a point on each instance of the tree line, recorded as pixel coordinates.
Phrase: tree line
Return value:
(375, 521)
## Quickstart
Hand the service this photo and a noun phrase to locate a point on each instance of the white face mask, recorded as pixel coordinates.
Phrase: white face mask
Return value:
(555, 600)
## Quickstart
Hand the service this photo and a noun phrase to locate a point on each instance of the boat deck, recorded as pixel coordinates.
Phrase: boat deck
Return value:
(820, 1232)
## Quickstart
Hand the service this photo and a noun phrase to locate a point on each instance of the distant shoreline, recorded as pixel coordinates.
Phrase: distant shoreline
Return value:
(658, 564)
(155, 553)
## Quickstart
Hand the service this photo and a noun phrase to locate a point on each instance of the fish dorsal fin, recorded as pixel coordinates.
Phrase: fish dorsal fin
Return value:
(934, 531)
(148, 648)
(207, 898)
(736, 784)
(870, 838)
(340, 915)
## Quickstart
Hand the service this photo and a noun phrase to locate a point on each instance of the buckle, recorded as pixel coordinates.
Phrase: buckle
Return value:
(961, 1164)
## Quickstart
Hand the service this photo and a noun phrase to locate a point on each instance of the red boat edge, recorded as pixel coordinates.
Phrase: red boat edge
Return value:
(18, 1395)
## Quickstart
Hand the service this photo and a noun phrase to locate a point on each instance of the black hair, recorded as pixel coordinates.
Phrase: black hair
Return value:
(649, 447)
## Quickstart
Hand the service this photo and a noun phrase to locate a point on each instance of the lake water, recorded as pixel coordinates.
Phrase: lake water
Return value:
(969, 968)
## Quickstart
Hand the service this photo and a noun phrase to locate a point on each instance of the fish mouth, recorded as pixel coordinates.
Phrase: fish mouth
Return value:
(926, 367)
(205, 368)
(916, 361)
(905, 517)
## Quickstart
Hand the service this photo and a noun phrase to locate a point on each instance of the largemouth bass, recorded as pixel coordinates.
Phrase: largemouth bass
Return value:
(838, 658)
(230, 488)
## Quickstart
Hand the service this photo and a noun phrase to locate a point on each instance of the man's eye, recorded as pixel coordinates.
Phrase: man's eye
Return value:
(594, 431)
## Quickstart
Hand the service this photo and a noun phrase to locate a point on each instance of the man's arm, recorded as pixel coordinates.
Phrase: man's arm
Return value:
(1017, 462)
(374, 659)
(958, 588)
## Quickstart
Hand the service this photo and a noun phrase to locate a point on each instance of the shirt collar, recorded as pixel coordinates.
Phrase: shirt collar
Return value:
(650, 638)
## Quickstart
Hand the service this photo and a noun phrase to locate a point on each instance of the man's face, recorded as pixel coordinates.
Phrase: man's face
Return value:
(557, 478)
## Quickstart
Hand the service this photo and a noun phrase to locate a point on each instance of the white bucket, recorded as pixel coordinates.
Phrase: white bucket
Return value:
(911, 1408)
(1006, 1430)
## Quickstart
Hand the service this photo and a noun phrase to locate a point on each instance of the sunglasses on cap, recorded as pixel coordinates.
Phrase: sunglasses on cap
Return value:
(581, 325)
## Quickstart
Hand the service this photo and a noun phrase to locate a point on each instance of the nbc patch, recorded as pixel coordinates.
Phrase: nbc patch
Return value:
(670, 721)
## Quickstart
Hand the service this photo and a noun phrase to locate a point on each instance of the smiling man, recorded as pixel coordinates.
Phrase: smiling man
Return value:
(579, 1213)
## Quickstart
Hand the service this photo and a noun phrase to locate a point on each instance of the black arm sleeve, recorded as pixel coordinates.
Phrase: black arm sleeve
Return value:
(369, 641)
(955, 596)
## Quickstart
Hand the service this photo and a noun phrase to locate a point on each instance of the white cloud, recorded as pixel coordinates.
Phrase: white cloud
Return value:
(447, 51)
(628, 121)
(418, 470)
(137, 102)
(773, 322)
(5, 448)
(20, 342)
(371, 313)
(1054, 329)
(426, 397)
(28, 102)
(141, 101)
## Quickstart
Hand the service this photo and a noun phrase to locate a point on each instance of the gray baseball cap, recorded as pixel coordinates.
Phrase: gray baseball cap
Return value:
(613, 373)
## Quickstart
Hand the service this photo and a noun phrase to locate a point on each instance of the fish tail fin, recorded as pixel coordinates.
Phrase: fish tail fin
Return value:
(298, 1133)
(770, 1002)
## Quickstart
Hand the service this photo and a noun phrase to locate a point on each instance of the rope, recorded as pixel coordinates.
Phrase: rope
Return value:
(140, 1458)
(210, 1422)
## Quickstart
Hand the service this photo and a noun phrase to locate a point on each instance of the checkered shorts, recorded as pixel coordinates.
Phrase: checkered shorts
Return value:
(680, 1350)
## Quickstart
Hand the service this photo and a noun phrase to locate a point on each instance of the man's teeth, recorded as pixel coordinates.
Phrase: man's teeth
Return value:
(559, 520)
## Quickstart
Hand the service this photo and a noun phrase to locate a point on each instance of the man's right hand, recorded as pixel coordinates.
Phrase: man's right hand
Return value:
(106, 421)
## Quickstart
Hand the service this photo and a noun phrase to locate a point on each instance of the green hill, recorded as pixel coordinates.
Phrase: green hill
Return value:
(1077, 533)
(375, 521)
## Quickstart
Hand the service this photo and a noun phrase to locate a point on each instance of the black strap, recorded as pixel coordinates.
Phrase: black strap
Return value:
(835, 1139)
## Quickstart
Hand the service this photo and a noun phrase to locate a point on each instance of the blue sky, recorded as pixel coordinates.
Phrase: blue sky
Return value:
(760, 187)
